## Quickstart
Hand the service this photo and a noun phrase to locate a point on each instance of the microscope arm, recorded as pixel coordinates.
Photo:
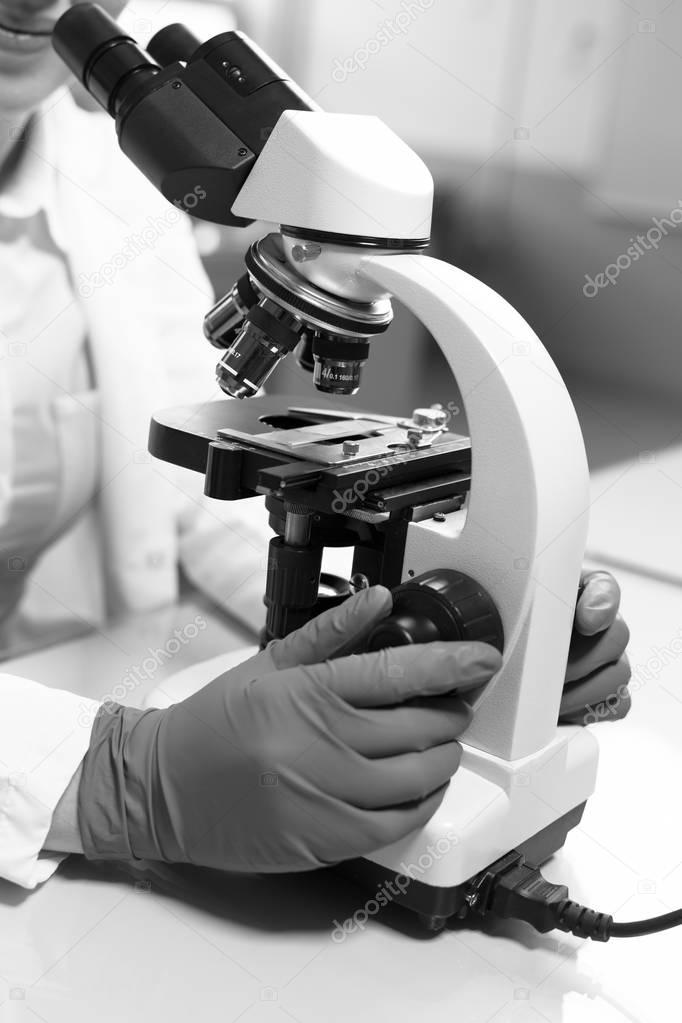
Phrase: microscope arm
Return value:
(525, 528)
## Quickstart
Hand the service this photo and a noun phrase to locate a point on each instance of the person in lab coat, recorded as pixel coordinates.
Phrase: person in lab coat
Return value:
(101, 298)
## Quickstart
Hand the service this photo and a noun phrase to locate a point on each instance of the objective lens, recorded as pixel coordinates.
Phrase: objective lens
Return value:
(338, 363)
(267, 335)
(304, 355)
(223, 322)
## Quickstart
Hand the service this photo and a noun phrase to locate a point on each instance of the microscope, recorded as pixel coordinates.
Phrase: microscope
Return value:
(479, 537)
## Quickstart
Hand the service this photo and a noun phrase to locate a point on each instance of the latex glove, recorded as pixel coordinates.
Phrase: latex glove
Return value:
(598, 668)
(290, 761)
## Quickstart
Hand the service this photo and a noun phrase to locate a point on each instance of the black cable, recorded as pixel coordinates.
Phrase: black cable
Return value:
(511, 889)
(637, 928)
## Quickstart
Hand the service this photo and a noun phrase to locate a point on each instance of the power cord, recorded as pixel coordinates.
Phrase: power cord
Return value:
(512, 889)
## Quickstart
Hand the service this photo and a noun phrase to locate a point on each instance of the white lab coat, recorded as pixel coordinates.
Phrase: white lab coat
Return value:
(145, 337)
(149, 353)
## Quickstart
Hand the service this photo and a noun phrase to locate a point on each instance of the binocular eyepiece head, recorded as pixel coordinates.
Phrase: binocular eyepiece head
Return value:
(193, 117)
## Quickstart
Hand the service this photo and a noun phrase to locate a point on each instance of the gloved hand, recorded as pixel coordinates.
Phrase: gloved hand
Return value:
(289, 761)
(598, 668)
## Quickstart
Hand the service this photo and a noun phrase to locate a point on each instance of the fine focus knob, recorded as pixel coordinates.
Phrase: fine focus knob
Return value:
(439, 605)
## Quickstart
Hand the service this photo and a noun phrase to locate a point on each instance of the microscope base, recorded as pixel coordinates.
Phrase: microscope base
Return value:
(436, 905)
(491, 808)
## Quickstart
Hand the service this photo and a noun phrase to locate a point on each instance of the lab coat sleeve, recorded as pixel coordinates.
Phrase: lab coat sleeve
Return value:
(44, 735)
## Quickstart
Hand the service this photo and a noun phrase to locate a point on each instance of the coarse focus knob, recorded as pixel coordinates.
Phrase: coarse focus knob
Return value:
(441, 604)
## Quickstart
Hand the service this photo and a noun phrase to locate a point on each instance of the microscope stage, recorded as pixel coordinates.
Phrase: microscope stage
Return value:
(271, 445)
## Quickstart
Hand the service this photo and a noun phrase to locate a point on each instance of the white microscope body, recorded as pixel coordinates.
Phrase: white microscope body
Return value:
(523, 532)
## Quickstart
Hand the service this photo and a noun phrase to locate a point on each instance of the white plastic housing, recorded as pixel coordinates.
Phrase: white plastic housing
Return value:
(523, 537)
(524, 533)
(493, 806)
(344, 173)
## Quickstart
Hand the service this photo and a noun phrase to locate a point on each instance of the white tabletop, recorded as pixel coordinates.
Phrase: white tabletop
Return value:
(96, 943)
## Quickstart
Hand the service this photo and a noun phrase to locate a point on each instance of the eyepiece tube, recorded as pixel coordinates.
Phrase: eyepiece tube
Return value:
(101, 56)
(172, 43)
(223, 322)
